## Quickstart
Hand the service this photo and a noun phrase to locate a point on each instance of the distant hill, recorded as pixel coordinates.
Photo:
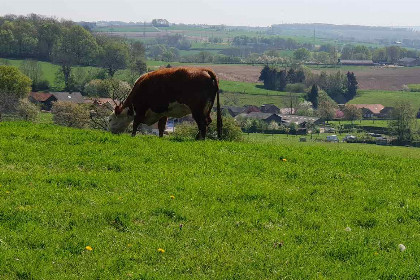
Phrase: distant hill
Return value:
(354, 33)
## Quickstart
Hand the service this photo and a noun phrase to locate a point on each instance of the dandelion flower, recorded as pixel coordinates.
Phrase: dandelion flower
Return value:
(160, 250)
(284, 159)
(88, 248)
(172, 197)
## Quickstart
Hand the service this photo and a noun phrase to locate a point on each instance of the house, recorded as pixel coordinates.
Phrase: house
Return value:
(43, 99)
(232, 110)
(103, 102)
(266, 117)
(356, 62)
(386, 113)
(300, 121)
(370, 110)
(74, 97)
(270, 108)
(250, 109)
(408, 62)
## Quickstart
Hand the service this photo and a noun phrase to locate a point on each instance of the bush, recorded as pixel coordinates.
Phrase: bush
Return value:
(186, 130)
(107, 88)
(70, 114)
(27, 110)
(296, 88)
(230, 132)
(96, 88)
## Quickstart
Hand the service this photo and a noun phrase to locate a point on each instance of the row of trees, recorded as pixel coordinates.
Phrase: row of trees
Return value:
(68, 45)
(275, 79)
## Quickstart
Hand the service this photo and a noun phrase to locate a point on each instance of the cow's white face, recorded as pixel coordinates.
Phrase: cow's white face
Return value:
(119, 123)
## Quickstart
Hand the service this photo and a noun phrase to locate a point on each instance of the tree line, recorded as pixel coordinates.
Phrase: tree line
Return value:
(67, 44)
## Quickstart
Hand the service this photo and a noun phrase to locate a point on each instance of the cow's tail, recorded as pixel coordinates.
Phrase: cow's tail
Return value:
(219, 112)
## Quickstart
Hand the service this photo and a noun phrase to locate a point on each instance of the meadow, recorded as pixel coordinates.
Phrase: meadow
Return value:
(82, 204)
(386, 98)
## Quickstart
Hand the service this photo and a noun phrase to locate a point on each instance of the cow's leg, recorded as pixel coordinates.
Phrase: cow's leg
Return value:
(136, 123)
(201, 121)
(162, 125)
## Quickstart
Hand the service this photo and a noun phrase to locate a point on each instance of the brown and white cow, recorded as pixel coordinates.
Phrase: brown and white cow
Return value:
(170, 92)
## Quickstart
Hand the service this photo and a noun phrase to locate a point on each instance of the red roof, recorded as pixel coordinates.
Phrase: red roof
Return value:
(374, 108)
(40, 96)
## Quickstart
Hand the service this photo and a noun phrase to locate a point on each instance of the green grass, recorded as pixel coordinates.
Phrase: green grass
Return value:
(414, 87)
(386, 98)
(375, 123)
(252, 99)
(245, 213)
(250, 88)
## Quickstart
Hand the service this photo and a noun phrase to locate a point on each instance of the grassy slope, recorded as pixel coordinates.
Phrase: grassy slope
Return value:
(63, 189)
(386, 98)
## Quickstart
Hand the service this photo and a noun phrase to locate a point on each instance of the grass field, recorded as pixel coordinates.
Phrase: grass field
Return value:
(386, 98)
(79, 204)
(252, 99)
(250, 88)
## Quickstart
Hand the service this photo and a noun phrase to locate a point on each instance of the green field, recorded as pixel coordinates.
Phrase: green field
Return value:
(80, 204)
(250, 88)
(252, 99)
(386, 98)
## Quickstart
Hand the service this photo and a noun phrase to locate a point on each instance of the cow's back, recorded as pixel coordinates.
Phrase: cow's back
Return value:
(158, 89)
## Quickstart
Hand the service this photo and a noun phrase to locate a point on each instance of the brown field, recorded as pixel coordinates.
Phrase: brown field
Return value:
(387, 78)
(374, 78)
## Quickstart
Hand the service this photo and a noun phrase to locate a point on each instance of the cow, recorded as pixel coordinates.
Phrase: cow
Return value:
(170, 92)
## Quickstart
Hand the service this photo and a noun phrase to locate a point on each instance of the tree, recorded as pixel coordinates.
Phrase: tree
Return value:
(76, 47)
(114, 55)
(352, 113)
(32, 69)
(351, 86)
(336, 87)
(291, 76)
(326, 110)
(302, 54)
(13, 86)
(402, 123)
(313, 96)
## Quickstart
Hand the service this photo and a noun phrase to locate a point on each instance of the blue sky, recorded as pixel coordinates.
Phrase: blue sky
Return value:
(249, 13)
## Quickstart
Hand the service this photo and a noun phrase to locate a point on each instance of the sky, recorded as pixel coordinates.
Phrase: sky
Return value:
(243, 13)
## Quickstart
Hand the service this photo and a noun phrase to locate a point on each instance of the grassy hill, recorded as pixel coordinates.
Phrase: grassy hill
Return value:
(386, 98)
(219, 210)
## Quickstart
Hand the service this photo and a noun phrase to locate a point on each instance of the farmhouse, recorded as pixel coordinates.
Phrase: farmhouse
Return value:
(301, 121)
(370, 110)
(266, 117)
(251, 108)
(103, 102)
(43, 99)
(74, 97)
(232, 110)
(386, 113)
(270, 108)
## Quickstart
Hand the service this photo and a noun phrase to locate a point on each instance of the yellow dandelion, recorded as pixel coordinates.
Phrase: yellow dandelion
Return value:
(172, 197)
(88, 248)
(160, 250)
(284, 159)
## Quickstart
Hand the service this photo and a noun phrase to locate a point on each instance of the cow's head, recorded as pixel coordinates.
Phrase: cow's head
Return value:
(120, 119)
